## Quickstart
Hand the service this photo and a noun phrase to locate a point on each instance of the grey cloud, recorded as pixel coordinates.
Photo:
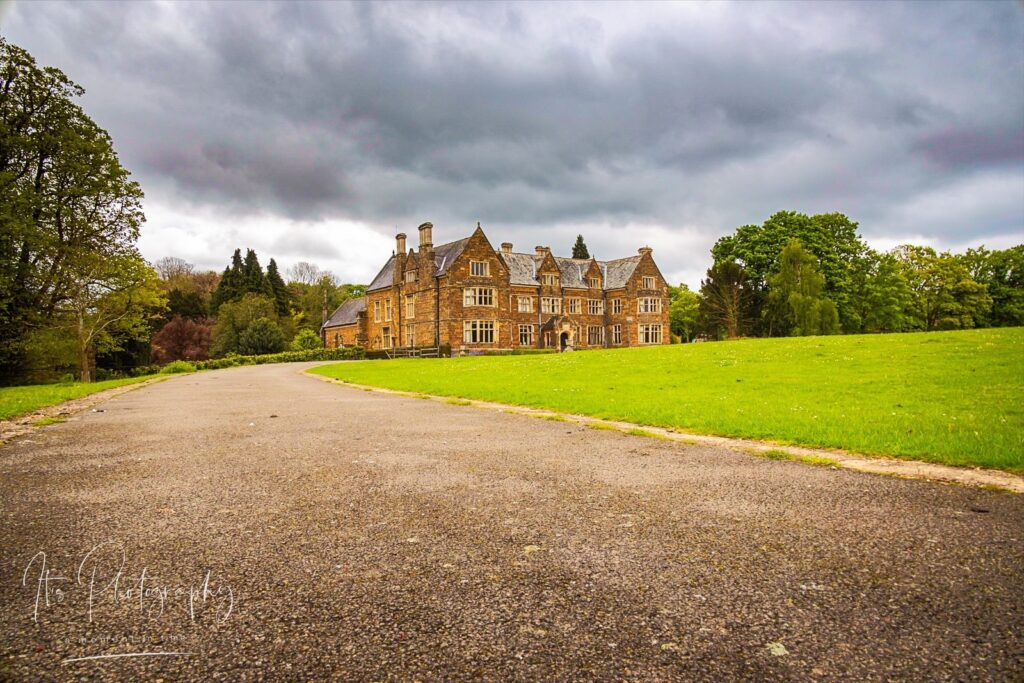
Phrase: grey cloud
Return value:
(527, 116)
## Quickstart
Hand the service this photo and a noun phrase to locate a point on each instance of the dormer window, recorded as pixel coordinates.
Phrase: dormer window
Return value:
(479, 268)
(594, 282)
(410, 276)
(549, 280)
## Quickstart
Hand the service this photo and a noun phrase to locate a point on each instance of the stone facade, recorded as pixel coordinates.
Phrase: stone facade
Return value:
(472, 297)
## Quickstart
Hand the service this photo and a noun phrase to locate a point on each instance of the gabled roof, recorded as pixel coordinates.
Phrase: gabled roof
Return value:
(347, 313)
(385, 278)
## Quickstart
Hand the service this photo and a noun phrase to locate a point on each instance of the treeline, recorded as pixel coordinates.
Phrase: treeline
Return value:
(245, 310)
(804, 275)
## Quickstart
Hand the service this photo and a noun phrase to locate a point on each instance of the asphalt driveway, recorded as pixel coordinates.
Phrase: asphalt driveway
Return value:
(256, 523)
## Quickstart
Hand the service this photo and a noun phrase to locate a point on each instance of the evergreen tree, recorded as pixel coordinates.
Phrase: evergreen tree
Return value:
(579, 250)
(725, 300)
(230, 287)
(278, 288)
(253, 279)
(261, 336)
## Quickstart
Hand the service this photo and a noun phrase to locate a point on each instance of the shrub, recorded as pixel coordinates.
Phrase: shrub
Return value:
(348, 353)
(177, 367)
(306, 340)
(262, 336)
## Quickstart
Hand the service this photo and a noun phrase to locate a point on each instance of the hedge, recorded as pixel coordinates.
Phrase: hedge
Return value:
(230, 361)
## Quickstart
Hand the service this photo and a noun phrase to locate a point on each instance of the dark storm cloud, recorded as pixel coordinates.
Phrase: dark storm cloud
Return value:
(527, 115)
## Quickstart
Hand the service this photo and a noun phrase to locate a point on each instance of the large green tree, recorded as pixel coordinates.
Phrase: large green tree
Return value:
(945, 295)
(278, 289)
(683, 312)
(1002, 273)
(832, 238)
(67, 203)
(235, 317)
(796, 302)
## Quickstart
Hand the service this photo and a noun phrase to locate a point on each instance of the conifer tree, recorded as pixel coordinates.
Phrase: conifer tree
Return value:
(579, 250)
(279, 289)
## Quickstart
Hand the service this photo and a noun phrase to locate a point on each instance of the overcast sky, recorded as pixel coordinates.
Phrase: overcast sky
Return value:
(309, 132)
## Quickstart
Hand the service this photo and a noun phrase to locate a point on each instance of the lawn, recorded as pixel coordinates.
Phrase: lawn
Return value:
(947, 397)
(15, 401)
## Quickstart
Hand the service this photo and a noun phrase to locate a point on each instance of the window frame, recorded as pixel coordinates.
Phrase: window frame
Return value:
(573, 305)
(476, 296)
(519, 304)
(528, 329)
(646, 336)
(649, 282)
(617, 335)
(478, 329)
(595, 306)
(387, 340)
(473, 268)
(376, 311)
(387, 310)
(594, 282)
(648, 304)
(617, 306)
(556, 309)
(595, 335)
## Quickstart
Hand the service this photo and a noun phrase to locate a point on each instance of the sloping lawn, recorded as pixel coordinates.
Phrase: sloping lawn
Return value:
(949, 397)
(15, 401)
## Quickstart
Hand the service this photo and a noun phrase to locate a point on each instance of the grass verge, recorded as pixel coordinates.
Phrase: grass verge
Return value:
(15, 401)
(945, 397)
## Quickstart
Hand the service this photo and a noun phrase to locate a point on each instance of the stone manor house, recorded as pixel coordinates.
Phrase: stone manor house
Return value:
(473, 298)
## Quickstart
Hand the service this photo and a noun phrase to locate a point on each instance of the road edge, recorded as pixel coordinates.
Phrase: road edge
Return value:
(869, 464)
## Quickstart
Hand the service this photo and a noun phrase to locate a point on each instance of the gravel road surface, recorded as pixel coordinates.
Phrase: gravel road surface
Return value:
(267, 525)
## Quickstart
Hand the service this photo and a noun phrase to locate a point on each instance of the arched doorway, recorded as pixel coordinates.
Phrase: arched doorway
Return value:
(563, 341)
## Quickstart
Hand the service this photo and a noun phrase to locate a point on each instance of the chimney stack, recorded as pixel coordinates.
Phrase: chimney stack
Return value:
(506, 247)
(400, 243)
(542, 251)
(644, 251)
(426, 237)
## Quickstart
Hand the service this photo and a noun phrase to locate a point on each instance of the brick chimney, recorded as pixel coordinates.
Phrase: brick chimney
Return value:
(506, 247)
(542, 251)
(400, 243)
(426, 237)
(644, 251)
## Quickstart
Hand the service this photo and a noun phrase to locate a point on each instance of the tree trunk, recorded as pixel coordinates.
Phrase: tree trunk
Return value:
(83, 353)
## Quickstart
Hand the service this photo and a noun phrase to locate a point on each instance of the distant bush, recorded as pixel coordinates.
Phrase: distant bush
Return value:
(349, 353)
(306, 340)
(262, 336)
(177, 367)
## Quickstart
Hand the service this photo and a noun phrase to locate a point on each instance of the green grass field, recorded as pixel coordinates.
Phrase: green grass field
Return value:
(16, 401)
(947, 397)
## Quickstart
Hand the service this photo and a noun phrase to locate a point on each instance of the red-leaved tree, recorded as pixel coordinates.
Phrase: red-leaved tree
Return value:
(182, 339)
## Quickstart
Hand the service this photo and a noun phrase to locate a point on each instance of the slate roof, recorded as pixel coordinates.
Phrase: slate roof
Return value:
(523, 270)
(445, 255)
(386, 276)
(347, 313)
(618, 271)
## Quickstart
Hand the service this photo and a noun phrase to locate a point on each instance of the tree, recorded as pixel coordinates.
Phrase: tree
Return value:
(112, 301)
(945, 295)
(182, 339)
(234, 317)
(304, 273)
(796, 305)
(253, 279)
(231, 284)
(1002, 273)
(683, 312)
(67, 205)
(725, 299)
(579, 250)
(261, 336)
(173, 268)
(306, 340)
(832, 238)
(882, 298)
(186, 304)
(278, 289)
